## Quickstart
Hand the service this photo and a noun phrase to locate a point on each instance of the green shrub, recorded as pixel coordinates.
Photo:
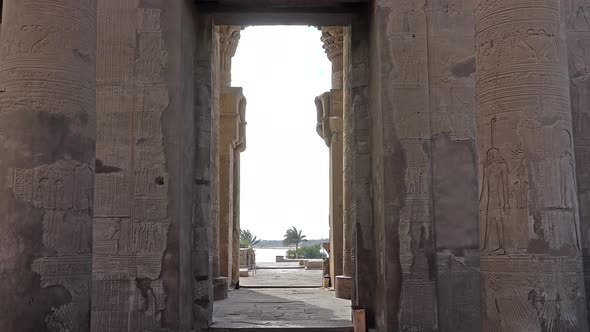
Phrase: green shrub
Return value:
(309, 252)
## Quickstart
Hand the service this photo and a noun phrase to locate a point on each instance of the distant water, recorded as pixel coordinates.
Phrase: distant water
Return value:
(269, 255)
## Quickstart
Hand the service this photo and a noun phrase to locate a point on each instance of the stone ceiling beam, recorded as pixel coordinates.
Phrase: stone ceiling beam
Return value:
(267, 12)
(291, 4)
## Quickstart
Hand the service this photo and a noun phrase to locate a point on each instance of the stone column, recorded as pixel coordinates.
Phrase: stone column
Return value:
(232, 108)
(219, 283)
(47, 156)
(239, 146)
(333, 38)
(336, 199)
(330, 109)
(345, 281)
(531, 265)
(229, 37)
(330, 103)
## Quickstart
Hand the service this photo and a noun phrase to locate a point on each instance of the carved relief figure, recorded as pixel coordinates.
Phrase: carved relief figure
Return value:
(42, 194)
(567, 178)
(495, 193)
(83, 234)
(521, 188)
(416, 181)
(567, 173)
(407, 62)
(84, 179)
(578, 15)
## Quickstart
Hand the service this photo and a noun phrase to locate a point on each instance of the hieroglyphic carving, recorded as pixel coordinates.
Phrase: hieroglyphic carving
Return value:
(409, 60)
(114, 146)
(123, 236)
(63, 191)
(140, 237)
(131, 224)
(71, 273)
(527, 295)
(528, 203)
(578, 15)
(152, 58)
(47, 129)
(494, 191)
(143, 297)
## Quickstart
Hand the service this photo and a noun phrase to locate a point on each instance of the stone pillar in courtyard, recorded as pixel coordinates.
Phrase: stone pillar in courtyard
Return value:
(345, 281)
(329, 127)
(47, 157)
(531, 266)
(231, 143)
(220, 284)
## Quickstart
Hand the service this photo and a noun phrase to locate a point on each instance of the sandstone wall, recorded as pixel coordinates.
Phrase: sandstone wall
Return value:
(358, 211)
(422, 150)
(454, 186)
(577, 16)
(206, 178)
(144, 183)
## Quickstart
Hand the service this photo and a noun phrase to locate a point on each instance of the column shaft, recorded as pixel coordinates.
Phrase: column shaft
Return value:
(236, 218)
(529, 226)
(347, 268)
(47, 149)
(228, 231)
(331, 131)
(225, 200)
(215, 153)
(336, 243)
(231, 143)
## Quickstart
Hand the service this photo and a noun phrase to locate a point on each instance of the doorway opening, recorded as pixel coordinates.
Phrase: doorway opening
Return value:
(280, 228)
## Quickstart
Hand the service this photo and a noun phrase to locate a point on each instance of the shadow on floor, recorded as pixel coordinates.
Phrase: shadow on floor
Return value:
(307, 309)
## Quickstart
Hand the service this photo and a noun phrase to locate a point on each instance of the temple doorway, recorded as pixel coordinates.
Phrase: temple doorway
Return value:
(280, 234)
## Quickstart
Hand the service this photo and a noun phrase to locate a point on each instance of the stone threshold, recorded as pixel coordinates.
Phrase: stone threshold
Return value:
(280, 267)
(281, 287)
(267, 326)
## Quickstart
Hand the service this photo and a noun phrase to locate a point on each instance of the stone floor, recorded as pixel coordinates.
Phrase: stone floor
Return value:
(252, 306)
(282, 297)
(286, 277)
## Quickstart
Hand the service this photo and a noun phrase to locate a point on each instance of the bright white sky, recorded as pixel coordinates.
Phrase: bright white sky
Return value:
(284, 170)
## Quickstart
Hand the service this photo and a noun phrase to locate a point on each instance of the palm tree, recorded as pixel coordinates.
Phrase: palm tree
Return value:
(294, 236)
(247, 240)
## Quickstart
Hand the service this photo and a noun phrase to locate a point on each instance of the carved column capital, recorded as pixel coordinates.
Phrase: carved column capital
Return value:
(333, 39)
(229, 38)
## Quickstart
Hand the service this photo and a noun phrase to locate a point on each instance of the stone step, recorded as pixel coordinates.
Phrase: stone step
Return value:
(270, 326)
